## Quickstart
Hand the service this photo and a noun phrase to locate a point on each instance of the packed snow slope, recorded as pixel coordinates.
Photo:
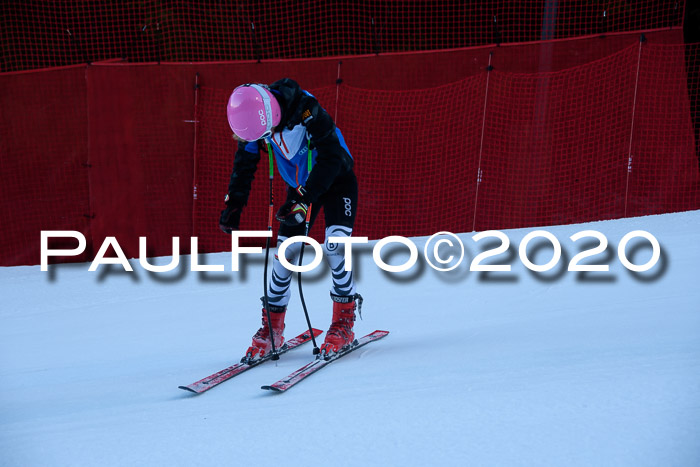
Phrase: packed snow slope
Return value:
(489, 369)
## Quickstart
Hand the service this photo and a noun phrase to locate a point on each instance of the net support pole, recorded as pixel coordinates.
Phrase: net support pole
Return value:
(194, 152)
(338, 81)
(489, 68)
(642, 39)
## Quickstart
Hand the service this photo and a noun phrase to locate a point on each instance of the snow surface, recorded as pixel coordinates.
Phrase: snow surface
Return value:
(518, 368)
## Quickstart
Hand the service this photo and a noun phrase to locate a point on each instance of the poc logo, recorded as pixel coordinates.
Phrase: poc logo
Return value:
(263, 121)
(348, 207)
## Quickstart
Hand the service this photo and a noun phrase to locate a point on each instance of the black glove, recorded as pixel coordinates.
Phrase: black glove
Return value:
(231, 216)
(293, 211)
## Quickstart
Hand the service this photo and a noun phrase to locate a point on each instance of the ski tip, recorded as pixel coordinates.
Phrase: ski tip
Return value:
(186, 388)
(271, 388)
(317, 332)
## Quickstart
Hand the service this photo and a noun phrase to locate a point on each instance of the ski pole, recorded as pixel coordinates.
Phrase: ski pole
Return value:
(267, 254)
(316, 350)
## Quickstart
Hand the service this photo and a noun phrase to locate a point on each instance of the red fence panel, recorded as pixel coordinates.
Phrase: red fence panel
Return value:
(43, 161)
(141, 144)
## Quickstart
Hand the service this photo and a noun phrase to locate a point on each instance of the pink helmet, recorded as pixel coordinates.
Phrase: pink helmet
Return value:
(252, 112)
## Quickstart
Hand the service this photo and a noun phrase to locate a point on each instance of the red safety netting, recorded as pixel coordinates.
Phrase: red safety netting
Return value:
(555, 144)
(43, 33)
(39, 34)
(44, 168)
(395, 159)
(118, 150)
(662, 172)
(141, 133)
(417, 149)
(506, 150)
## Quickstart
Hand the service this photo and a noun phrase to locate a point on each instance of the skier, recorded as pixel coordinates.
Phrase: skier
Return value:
(293, 123)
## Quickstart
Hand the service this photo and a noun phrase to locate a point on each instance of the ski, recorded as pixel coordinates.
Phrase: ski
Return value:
(214, 380)
(311, 368)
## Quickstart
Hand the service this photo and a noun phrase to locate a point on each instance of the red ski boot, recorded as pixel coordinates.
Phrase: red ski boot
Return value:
(340, 335)
(261, 345)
